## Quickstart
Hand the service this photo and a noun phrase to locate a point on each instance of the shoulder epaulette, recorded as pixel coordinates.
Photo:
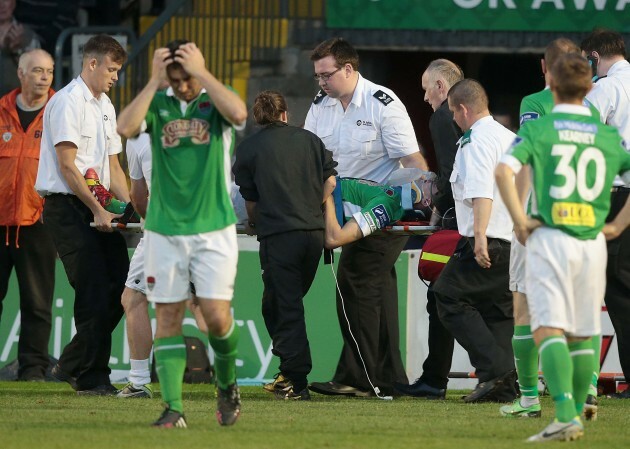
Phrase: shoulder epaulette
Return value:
(383, 97)
(319, 97)
(465, 139)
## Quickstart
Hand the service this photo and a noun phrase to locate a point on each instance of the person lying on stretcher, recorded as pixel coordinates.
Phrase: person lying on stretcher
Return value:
(358, 207)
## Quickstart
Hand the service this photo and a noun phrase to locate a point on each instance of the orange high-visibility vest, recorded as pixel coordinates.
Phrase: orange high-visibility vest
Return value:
(19, 159)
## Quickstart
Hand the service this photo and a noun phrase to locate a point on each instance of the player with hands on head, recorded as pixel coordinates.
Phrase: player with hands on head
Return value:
(192, 129)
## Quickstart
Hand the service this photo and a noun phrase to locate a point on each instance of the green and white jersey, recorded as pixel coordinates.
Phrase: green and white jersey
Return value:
(540, 104)
(574, 159)
(372, 205)
(191, 147)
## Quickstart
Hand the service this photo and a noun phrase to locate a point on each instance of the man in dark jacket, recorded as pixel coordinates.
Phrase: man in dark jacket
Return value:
(437, 80)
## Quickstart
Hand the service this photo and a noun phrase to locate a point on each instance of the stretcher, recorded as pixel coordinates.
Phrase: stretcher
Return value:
(398, 228)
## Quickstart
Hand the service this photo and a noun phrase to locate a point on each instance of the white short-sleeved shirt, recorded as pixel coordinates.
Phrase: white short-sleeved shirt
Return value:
(611, 97)
(74, 115)
(369, 137)
(139, 158)
(480, 150)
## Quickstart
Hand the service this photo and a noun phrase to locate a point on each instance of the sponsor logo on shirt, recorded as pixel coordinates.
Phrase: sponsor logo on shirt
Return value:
(364, 123)
(7, 136)
(164, 113)
(380, 213)
(528, 116)
(175, 130)
(573, 214)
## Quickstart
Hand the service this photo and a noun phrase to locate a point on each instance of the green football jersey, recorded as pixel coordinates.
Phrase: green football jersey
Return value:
(574, 159)
(378, 205)
(191, 167)
(540, 104)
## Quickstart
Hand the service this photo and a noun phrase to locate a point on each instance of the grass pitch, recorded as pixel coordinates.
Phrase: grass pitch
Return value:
(50, 416)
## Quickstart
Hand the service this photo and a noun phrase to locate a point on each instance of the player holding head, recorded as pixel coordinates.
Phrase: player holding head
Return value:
(189, 226)
(573, 158)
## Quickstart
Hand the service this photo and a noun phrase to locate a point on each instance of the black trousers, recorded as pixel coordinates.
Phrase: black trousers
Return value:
(475, 305)
(289, 262)
(437, 365)
(31, 251)
(618, 283)
(96, 264)
(367, 280)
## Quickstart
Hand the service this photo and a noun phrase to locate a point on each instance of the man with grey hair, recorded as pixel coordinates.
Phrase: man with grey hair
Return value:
(436, 81)
(29, 247)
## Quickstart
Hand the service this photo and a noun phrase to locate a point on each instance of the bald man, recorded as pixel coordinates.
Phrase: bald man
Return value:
(28, 246)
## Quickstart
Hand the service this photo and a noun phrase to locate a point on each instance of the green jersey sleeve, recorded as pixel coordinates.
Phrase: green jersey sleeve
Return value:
(522, 147)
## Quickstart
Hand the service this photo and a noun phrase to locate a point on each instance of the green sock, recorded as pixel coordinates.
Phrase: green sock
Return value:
(558, 371)
(526, 358)
(225, 351)
(115, 206)
(170, 360)
(582, 356)
(597, 348)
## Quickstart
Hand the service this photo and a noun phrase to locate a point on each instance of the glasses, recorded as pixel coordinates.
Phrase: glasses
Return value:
(325, 76)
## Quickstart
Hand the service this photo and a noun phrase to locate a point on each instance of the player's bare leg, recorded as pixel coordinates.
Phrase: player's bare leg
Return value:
(140, 339)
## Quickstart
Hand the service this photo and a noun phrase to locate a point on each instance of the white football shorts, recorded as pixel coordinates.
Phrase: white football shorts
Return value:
(207, 260)
(566, 281)
(517, 266)
(135, 278)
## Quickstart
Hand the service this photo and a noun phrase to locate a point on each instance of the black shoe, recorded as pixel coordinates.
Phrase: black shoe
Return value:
(288, 394)
(420, 389)
(625, 394)
(228, 405)
(493, 390)
(101, 390)
(170, 419)
(60, 375)
(333, 388)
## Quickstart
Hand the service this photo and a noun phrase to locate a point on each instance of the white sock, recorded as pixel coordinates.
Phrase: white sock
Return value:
(528, 401)
(139, 374)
